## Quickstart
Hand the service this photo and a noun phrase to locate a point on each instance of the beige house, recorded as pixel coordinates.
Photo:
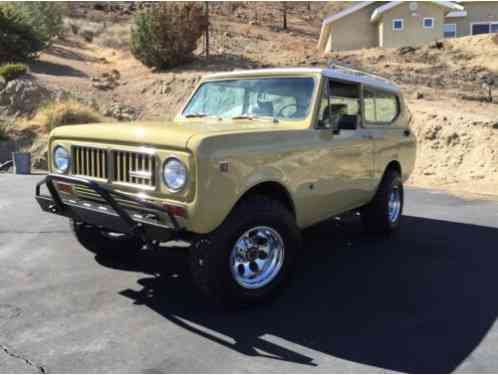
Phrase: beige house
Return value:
(477, 17)
(370, 24)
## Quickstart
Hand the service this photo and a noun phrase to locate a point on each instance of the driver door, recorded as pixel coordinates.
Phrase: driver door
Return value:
(347, 179)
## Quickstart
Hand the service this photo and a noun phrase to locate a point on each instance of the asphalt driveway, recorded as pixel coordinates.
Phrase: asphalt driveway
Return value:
(424, 300)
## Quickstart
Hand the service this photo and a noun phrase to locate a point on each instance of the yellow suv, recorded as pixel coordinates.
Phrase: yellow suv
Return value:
(252, 159)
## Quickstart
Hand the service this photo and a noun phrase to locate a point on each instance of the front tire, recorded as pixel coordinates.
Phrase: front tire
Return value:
(249, 258)
(105, 243)
(383, 214)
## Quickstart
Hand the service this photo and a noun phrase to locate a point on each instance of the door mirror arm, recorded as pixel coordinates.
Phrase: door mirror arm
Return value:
(327, 123)
(334, 126)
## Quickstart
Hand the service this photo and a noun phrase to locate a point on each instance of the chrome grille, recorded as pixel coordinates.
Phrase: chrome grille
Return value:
(125, 167)
(89, 161)
(134, 168)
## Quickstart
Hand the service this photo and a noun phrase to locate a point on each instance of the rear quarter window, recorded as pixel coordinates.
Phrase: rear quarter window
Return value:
(386, 108)
(381, 108)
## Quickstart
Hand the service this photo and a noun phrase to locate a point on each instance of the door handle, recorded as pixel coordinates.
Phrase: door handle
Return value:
(367, 136)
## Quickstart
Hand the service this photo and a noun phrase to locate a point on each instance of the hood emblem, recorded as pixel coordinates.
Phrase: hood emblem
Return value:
(141, 174)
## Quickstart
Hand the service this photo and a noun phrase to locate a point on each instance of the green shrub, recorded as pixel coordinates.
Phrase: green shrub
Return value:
(46, 17)
(18, 39)
(165, 36)
(12, 71)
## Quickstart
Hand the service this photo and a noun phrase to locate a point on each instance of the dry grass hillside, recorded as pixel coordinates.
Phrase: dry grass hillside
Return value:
(456, 128)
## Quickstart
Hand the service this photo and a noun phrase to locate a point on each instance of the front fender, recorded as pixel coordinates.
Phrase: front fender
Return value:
(252, 159)
(219, 192)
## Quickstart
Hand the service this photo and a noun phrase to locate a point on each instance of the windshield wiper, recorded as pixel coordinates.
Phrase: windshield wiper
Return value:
(196, 115)
(243, 117)
(252, 117)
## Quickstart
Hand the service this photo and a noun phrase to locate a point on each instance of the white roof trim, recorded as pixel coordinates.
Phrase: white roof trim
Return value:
(346, 12)
(384, 8)
(245, 72)
(456, 14)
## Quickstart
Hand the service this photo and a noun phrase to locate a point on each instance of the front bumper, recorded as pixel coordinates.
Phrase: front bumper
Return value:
(151, 222)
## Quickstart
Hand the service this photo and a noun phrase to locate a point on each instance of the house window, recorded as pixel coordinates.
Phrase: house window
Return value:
(450, 30)
(398, 24)
(428, 23)
(484, 28)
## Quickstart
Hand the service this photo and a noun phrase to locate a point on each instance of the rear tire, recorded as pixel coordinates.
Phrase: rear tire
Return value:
(105, 243)
(383, 214)
(249, 258)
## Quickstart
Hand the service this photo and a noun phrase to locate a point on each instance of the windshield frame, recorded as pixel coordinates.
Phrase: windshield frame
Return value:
(306, 118)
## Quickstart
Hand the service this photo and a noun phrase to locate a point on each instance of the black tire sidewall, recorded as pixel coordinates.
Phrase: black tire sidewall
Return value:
(375, 215)
(210, 259)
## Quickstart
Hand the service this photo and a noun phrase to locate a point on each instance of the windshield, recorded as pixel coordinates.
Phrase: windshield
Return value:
(278, 98)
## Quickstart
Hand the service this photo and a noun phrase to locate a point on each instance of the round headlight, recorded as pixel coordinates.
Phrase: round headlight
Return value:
(61, 159)
(174, 174)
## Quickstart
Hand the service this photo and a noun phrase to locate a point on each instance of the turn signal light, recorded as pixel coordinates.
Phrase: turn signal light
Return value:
(64, 188)
(176, 210)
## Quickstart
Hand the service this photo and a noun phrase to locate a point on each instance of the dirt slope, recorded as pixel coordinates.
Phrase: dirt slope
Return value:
(457, 138)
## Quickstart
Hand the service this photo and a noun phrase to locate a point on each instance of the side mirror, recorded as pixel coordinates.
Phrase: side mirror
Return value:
(329, 123)
(334, 126)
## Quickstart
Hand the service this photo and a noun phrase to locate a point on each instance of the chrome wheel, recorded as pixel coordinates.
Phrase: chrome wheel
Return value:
(257, 257)
(394, 205)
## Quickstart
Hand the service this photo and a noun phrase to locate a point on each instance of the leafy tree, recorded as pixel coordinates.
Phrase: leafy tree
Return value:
(18, 39)
(165, 36)
(46, 17)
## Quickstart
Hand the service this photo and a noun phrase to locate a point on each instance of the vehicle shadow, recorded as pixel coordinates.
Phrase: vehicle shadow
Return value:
(420, 301)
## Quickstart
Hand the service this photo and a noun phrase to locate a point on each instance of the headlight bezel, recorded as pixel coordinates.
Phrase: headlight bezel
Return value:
(163, 174)
(54, 158)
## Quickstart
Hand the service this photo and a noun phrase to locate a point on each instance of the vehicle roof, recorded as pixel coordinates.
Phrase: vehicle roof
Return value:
(339, 73)
(363, 78)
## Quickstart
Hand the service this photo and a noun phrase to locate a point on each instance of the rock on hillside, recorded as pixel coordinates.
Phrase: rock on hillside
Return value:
(21, 97)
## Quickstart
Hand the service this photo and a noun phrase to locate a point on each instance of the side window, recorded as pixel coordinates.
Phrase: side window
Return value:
(380, 108)
(386, 107)
(342, 109)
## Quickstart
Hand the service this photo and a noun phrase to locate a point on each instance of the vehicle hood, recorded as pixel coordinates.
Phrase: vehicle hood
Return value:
(174, 134)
